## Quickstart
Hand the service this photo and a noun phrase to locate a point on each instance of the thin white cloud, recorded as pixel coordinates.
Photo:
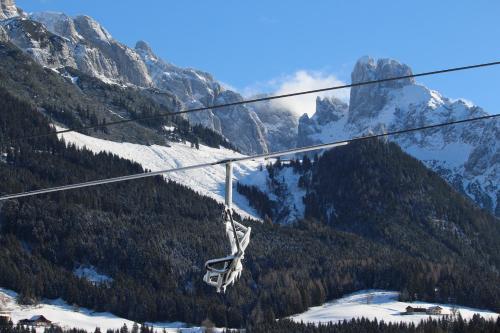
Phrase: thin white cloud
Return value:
(227, 86)
(300, 81)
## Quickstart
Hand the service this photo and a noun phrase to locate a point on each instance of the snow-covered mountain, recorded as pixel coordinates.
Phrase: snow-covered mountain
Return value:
(198, 89)
(56, 40)
(467, 156)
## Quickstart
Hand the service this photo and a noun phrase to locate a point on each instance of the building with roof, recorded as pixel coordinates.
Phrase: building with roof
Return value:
(36, 321)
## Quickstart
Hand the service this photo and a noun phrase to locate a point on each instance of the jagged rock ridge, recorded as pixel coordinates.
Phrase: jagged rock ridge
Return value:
(56, 40)
(467, 156)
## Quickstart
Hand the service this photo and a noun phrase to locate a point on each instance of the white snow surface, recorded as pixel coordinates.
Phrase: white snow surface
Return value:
(91, 274)
(380, 305)
(208, 181)
(66, 316)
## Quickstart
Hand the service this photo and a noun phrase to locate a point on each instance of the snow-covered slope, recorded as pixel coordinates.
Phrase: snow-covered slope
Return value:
(67, 316)
(283, 189)
(371, 304)
(206, 181)
(466, 155)
(380, 305)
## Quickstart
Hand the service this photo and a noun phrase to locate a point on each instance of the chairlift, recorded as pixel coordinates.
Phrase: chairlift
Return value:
(225, 271)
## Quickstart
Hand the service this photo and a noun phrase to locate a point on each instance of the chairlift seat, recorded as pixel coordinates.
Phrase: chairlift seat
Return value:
(224, 271)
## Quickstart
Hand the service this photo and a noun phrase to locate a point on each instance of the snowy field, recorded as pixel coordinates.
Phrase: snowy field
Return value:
(371, 304)
(382, 305)
(64, 315)
(207, 181)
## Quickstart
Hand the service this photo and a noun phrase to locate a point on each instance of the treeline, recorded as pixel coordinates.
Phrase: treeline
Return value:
(258, 200)
(459, 325)
(475, 325)
(197, 134)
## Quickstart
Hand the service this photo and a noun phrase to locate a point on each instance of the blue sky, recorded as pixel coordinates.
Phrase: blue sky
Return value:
(261, 45)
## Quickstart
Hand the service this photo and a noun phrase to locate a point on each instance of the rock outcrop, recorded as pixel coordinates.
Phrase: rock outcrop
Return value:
(366, 101)
(4, 36)
(8, 9)
(329, 120)
(280, 125)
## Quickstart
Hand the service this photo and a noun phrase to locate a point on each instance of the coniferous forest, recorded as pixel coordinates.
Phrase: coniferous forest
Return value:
(477, 324)
(375, 218)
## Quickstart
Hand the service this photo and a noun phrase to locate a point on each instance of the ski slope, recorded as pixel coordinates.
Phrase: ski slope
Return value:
(66, 316)
(207, 181)
(380, 305)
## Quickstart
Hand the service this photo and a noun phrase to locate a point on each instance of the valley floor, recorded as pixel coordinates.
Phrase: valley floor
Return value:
(67, 316)
(370, 304)
(380, 305)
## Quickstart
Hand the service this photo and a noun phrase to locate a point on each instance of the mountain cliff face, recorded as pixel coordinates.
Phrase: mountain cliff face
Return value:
(198, 89)
(8, 9)
(280, 125)
(56, 40)
(467, 156)
(92, 49)
(367, 101)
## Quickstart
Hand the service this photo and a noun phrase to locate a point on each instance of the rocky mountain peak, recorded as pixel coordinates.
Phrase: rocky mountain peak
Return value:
(8, 9)
(144, 47)
(466, 156)
(91, 29)
(58, 23)
(329, 109)
(367, 69)
(367, 100)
